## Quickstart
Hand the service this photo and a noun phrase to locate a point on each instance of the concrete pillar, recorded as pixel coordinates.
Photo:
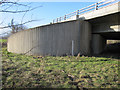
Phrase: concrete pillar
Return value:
(84, 37)
(98, 43)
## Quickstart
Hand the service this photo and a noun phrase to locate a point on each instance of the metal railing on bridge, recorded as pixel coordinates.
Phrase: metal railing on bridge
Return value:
(92, 7)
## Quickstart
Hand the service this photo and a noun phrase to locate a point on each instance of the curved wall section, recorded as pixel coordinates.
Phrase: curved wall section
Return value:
(52, 39)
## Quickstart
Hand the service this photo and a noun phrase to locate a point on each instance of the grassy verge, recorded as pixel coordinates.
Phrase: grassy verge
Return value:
(23, 71)
(3, 40)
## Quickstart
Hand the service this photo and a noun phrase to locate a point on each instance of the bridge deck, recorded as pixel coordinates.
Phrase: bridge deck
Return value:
(90, 12)
(111, 9)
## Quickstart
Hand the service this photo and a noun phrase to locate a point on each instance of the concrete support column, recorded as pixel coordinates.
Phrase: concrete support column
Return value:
(84, 37)
(98, 43)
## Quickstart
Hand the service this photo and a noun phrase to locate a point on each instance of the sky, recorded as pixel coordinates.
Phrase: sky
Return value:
(45, 13)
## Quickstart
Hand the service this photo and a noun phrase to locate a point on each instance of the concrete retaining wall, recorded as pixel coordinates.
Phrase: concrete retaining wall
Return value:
(53, 39)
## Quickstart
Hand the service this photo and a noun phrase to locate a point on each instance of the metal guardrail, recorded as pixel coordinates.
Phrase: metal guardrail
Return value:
(92, 7)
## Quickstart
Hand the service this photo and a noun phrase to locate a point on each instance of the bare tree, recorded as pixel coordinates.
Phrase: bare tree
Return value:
(8, 3)
(16, 27)
(5, 8)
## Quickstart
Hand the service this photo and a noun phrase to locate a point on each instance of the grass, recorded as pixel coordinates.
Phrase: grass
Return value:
(3, 40)
(21, 71)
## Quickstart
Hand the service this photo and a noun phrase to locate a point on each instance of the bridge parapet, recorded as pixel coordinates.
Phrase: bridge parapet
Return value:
(81, 12)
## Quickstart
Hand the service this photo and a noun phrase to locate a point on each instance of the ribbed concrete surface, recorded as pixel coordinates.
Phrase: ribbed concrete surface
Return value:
(53, 39)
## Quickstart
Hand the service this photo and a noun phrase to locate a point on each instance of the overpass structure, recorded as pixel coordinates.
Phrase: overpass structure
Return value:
(84, 31)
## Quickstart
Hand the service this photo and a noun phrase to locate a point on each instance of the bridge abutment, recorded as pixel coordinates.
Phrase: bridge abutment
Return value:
(53, 39)
(98, 43)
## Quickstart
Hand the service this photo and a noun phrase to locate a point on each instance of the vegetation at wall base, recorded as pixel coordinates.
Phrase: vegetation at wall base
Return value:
(21, 71)
(3, 40)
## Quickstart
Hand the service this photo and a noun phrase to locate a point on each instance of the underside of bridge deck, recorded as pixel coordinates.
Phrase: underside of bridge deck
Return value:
(103, 29)
(111, 35)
